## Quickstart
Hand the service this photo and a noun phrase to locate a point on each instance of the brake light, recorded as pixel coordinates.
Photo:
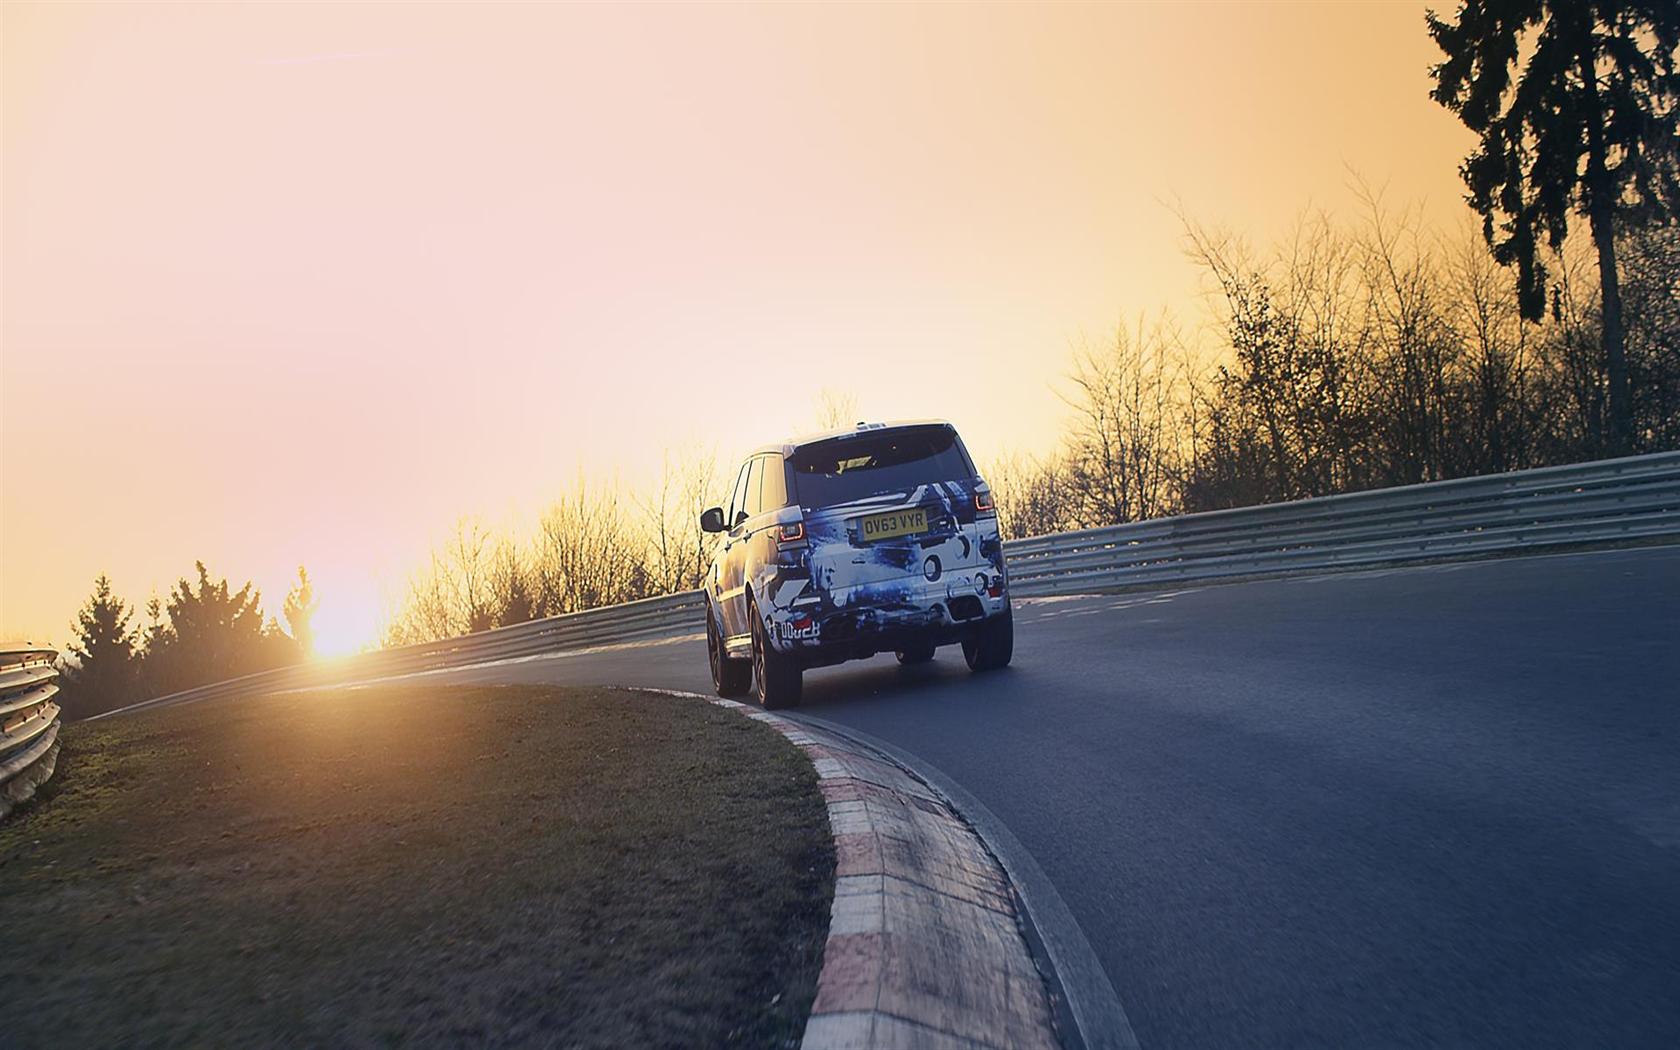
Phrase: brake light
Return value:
(792, 532)
(983, 502)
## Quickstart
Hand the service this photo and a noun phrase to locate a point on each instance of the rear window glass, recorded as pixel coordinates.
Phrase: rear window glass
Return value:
(840, 470)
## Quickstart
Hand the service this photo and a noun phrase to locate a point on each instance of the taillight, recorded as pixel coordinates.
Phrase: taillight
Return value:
(983, 502)
(792, 532)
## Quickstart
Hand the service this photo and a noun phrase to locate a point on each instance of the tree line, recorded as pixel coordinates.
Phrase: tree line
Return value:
(1353, 355)
(595, 545)
(204, 631)
(1357, 357)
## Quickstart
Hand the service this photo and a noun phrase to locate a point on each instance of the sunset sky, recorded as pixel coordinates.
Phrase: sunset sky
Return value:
(305, 283)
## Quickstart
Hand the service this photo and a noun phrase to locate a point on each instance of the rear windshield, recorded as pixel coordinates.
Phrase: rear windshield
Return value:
(849, 468)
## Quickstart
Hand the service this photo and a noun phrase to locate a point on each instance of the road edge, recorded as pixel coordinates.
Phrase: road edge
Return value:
(1088, 1006)
(929, 944)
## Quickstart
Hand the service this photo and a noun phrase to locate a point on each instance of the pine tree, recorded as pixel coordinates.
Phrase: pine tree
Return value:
(104, 672)
(214, 634)
(1589, 126)
(155, 640)
(299, 610)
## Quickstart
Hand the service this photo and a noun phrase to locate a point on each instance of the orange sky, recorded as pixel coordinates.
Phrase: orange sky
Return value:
(305, 282)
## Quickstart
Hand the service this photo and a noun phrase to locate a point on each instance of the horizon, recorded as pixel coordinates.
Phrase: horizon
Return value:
(468, 238)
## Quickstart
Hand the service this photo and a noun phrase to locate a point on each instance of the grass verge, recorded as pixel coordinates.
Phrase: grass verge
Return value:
(518, 865)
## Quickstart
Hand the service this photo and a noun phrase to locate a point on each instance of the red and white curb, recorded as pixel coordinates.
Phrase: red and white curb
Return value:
(925, 947)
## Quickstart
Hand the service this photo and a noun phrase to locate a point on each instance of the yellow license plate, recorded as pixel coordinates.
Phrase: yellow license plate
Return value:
(895, 523)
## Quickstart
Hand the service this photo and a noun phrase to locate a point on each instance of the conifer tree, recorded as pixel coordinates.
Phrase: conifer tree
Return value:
(214, 633)
(103, 673)
(1588, 125)
(299, 610)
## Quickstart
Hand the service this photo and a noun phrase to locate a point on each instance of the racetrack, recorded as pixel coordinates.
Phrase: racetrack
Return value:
(1414, 807)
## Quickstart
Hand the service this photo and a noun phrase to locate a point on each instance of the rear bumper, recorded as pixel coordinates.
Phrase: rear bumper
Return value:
(887, 615)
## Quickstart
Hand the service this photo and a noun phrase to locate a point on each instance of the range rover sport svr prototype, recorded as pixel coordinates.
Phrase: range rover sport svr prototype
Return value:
(850, 543)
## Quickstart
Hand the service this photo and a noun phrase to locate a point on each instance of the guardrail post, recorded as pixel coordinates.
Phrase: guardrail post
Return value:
(29, 723)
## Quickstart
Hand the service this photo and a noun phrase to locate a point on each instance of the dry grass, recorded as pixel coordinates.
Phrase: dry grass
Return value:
(544, 866)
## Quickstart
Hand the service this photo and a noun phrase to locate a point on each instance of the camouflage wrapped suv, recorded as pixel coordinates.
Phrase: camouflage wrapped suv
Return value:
(847, 544)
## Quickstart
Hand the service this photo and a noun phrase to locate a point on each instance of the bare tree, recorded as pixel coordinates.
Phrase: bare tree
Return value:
(1033, 496)
(1253, 451)
(588, 553)
(836, 409)
(1574, 389)
(1650, 261)
(1498, 431)
(1124, 446)
(1319, 292)
(468, 576)
(424, 613)
(510, 587)
(453, 594)
(679, 551)
(1416, 354)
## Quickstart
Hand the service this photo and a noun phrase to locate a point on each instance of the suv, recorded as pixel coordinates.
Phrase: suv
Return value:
(846, 544)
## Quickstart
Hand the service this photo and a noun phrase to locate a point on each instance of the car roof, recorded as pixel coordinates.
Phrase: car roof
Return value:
(787, 446)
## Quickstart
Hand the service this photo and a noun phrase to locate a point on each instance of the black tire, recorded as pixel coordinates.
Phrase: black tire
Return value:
(921, 654)
(992, 644)
(731, 678)
(777, 679)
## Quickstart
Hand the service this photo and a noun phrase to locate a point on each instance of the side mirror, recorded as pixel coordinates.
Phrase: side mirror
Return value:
(712, 520)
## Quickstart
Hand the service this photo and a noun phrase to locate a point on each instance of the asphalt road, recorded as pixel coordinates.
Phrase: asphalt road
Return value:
(1424, 807)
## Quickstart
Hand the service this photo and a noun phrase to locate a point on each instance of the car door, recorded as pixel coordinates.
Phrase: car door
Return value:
(736, 546)
(723, 584)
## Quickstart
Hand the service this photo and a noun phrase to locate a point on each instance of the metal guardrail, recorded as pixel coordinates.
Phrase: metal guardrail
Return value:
(1609, 500)
(28, 723)
(1619, 499)
(607, 625)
